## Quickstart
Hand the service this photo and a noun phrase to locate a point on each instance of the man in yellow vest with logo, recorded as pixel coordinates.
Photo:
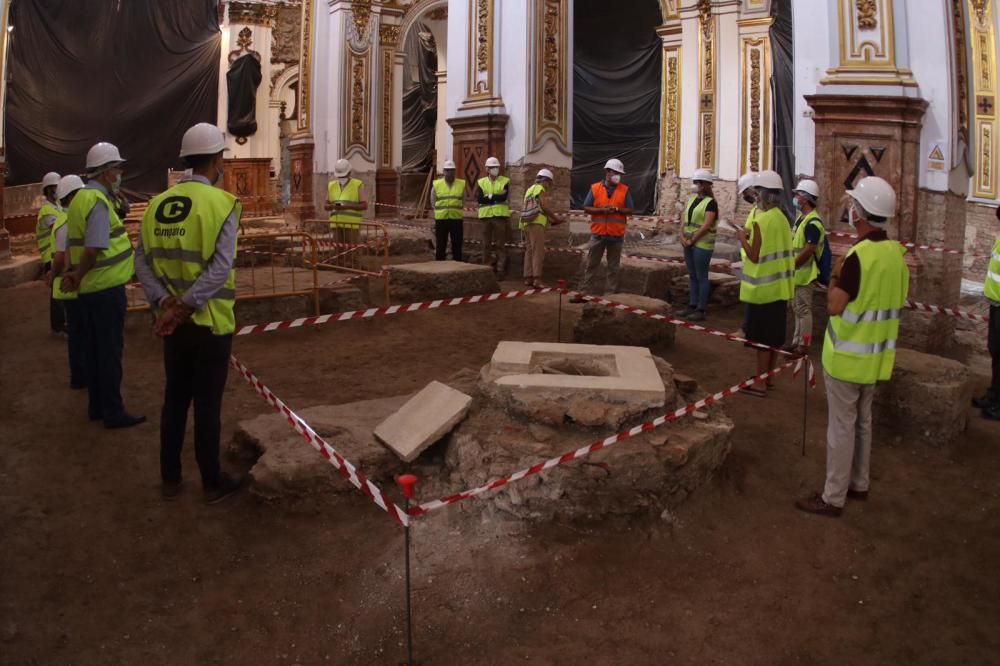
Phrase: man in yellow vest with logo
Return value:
(67, 188)
(101, 265)
(347, 204)
(768, 272)
(698, 239)
(492, 192)
(609, 204)
(447, 197)
(865, 300)
(47, 216)
(990, 402)
(185, 262)
(809, 243)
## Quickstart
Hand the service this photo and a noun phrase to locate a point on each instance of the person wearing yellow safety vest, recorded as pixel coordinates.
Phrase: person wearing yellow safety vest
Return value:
(698, 239)
(347, 204)
(492, 193)
(101, 261)
(867, 294)
(990, 401)
(745, 190)
(47, 216)
(768, 271)
(447, 197)
(809, 243)
(185, 261)
(535, 216)
(67, 188)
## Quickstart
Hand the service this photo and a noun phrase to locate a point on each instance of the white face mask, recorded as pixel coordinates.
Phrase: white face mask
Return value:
(616, 178)
(695, 188)
(851, 217)
(344, 180)
(494, 171)
(116, 184)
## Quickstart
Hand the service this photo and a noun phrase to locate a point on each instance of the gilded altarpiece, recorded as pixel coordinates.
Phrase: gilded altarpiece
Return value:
(550, 103)
(755, 139)
(670, 121)
(707, 84)
(982, 35)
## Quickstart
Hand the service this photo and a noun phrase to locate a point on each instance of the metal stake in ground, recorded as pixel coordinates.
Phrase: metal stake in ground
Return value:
(562, 288)
(406, 482)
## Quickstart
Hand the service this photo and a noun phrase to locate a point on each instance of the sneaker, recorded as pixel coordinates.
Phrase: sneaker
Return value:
(697, 315)
(226, 487)
(986, 400)
(169, 490)
(815, 504)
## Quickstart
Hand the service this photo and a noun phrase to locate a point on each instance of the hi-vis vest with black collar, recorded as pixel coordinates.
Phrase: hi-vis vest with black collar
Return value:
(115, 264)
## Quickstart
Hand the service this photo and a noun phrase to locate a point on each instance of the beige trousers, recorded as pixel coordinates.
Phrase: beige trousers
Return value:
(848, 438)
(802, 306)
(534, 251)
(495, 238)
(596, 248)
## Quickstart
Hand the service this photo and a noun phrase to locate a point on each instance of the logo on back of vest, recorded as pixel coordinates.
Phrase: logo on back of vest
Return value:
(173, 210)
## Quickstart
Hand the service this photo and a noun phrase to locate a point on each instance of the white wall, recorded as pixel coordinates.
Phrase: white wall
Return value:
(811, 52)
(512, 73)
(728, 98)
(327, 82)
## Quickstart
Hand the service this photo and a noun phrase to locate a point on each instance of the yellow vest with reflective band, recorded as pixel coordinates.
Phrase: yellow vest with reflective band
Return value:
(541, 219)
(770, 279)
(499, 209)
(991, 288)
(179, 233)
(351, 193)
(860, 344)
(115, 264)
(43, 234)
(448, 200)
(747, 225)
(693, 222)
(57, 292)
(809, 271)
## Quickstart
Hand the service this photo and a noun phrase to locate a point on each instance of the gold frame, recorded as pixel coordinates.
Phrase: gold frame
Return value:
(351, 60)
(670, 150)
(545, 128)
(305, 67)
(707, 127)
(762, 43)
(887, 32)
(474, 70)
(982, 37)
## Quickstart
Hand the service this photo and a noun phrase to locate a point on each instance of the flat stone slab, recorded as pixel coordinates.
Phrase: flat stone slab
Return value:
(423, 420)
(18, 270)
(588, 384)
(602, 325)
(432, 280)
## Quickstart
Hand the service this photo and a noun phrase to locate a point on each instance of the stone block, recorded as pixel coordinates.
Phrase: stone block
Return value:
(588, 384)
(725, 289)
(601, 325)
(439, 279)
(18, 270)
(410, 241)
(423, 420)
(926, 399)
(638, 276)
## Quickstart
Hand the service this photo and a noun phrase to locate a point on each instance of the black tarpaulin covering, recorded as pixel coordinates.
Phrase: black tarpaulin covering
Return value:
(783, 93)
(136, 73)
(616, 95)
(242, 80)
(419, 100)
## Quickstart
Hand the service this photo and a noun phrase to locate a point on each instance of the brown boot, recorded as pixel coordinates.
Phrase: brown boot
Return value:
(815, 504)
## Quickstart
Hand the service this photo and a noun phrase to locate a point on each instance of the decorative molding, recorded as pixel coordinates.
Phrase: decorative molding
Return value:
(438, 14)
(550, 116)
(867, 46)
(481, 62)
(755, 141)
(670, 121)
(388, 59)
(253, 13)
(961, 71)
(986, 127)
(244, 40)
(707, 67)
(756, 6)
(388, 35)
(361, 13)
(357, 77)
(867, 14)
(305, 68)
(670, 9)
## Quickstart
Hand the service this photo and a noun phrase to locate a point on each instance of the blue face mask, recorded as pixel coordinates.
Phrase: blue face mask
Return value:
(798, 206)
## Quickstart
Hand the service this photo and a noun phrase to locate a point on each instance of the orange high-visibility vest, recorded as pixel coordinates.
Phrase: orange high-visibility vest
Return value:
(609, 224)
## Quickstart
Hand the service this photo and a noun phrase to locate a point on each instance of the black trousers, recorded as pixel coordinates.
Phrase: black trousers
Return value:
(57, 314)
(197, 365)
(442, 230)
(103, 342)
(75, 322)
(993, 342)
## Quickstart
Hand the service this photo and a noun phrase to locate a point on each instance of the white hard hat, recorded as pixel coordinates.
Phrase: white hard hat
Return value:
(203, 139)
(615, 165)
(67, 185)
(492, 162)
(769, 180)
(875, 195)
(448, 164)
(50, 179)
(341, 168)
(810, 187)
(545, 173)
(746, 181)
(102, 155)
(703, 175)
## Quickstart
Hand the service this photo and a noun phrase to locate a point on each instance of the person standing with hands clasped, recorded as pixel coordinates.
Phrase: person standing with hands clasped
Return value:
(492, 193)
(535, 216)
(698, 240)
(867, 295)
(609, 204)
(809, 243)
(185, 263)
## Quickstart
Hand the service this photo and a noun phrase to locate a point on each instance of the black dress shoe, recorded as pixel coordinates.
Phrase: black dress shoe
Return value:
(125, 421)
(169, 490)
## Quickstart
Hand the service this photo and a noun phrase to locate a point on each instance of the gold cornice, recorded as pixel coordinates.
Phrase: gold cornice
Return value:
(754, 22)
(848, 80)
(251, 13)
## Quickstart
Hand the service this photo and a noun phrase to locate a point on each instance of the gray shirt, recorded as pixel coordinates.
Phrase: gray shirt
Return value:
(98, 234)
(211, 279)
(62, 236)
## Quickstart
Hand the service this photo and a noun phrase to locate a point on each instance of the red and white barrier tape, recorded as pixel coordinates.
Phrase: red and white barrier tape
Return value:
(390, 310)
(937, 309)
(608, 442)
(341, 464)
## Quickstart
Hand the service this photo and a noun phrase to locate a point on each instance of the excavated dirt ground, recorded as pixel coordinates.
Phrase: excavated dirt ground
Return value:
(96, 569)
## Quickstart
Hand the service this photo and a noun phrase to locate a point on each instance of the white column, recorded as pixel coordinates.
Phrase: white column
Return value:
(812, 32)
(328, 81)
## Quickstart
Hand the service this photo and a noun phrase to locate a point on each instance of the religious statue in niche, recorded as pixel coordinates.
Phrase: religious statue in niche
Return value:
(242, 81)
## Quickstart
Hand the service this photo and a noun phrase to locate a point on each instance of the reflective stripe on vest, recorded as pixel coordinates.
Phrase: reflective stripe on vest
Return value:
(992, 287)
(860, 343)
(448, 199)
(609, 224)
(180, 230)
(345, 219)
(43, 233)
(770, 278)
(693, 222)
(57, 292)
(541, 219)
(809, 271)
(114, 265)
(497, 209)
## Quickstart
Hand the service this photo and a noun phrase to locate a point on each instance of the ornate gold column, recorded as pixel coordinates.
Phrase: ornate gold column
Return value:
(386, 177)
(300, 146)
(358, 77)
(755, 105)
(670, 98)
(707, 84)
(985, 129)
